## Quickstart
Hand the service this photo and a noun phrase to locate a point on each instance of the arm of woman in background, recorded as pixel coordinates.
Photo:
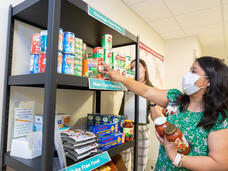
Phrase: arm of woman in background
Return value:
(155, 95)
(216, 159)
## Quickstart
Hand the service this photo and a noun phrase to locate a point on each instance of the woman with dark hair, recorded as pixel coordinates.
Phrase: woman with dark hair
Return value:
(143, 128)
(201, 113)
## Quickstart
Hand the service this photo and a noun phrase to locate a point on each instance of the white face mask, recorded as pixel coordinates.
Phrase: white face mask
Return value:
(188, 83)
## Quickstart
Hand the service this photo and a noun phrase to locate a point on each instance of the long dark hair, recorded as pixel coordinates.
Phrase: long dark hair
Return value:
(147, 78)
(216, 96)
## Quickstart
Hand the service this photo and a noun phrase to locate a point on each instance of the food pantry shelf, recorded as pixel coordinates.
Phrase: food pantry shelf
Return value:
(34, 164)
(64, 82)
(74, 17)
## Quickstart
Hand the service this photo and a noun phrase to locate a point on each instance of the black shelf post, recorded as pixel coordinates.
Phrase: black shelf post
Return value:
(98, 101)
(6, 96)
(54, 7)
(136, 106)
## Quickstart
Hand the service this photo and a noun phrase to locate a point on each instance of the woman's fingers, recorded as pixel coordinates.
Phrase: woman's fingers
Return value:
(159, 138)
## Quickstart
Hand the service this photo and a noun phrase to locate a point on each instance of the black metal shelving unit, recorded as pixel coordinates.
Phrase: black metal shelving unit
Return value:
(71, 15)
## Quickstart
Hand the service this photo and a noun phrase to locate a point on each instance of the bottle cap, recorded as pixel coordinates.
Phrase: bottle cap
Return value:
(170, 129)
(127, 120)
(160, 120)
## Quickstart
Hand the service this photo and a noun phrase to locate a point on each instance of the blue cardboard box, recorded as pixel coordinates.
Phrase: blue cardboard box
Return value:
(102, 130)
(112, 140)
(90, 121)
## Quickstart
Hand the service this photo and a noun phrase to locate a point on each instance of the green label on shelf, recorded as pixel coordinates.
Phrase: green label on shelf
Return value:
(105, 85)
(91, 163)
(97, 15)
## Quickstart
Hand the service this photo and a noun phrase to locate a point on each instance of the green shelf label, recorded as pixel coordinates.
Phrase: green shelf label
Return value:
(105, 85)
(97, 15)
(91, 163)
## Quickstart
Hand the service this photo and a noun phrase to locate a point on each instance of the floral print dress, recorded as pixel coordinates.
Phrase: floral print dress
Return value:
(187, 122)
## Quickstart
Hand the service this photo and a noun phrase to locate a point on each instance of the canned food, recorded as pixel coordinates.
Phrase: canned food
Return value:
(108, 57)
(78, 41)
(35, 47)
(69, 43)
(78, 73)
(78, 51)
(77, 61)
(128, 73)
(132, 75)
(78, 67)
(100, 68)
(34, 63)
(98, 52)
(61, 35)
(84, 47)
(68, 64)
(60, 62)
(90, 55)
(106, 41)
(116, 60)
(43, 41)
(89, 68)
(128, 62)
(42, 62)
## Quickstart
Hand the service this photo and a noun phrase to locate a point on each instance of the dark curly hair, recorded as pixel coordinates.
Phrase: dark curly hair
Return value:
(216, 95)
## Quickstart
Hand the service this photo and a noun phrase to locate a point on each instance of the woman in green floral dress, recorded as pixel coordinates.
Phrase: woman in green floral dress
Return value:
(201, 113)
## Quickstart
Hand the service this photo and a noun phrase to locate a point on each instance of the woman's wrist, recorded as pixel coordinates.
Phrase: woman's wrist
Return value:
(178, 161)
(173, 156)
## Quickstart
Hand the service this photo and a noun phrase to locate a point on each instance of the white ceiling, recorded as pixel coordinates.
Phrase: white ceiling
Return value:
(206, 19)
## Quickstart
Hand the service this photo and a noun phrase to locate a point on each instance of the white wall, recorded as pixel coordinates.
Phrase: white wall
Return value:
(179, 56)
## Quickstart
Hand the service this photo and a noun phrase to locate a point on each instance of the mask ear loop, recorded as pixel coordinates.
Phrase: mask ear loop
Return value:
(207, 84)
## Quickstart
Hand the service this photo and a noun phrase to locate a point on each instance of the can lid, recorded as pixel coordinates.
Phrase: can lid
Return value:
(170, 129)
(160, 120)
(127, 120)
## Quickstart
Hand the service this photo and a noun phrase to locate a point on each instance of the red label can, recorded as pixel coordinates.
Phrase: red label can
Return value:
(42, 62)
(35, 47)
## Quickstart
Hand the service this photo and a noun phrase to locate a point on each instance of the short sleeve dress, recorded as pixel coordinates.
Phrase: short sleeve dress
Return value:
(187, 122)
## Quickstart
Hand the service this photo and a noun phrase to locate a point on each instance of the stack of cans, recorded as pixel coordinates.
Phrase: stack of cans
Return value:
(68, 53)
(106, 42)
(98, 55)
(78, 56)
(39, 52)
(35, 54)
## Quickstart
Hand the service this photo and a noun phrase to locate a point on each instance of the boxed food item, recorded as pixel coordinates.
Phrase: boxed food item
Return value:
(111, 141)
(120, 120)
(38, 123)
(98, 119)
(102, 130)
(90, 121)
(106, 119)
(63, 120)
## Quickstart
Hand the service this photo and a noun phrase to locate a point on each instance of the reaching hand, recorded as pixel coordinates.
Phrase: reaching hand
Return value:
(114, 76)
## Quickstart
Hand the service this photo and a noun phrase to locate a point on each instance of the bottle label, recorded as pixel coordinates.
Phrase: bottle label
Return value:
(183, 144)
(128, 132)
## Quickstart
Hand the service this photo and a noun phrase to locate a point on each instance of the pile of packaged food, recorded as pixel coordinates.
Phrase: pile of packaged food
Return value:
(108, 128)
(79, 144)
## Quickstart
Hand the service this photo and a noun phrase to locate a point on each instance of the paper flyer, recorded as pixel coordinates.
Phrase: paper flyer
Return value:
(23, 122)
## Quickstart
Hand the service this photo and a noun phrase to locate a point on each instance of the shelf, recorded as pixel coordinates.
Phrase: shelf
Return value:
(34, 164)
(74, 18)
(38, 80)
(23, 164)
(116, 150)
(64, 81)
